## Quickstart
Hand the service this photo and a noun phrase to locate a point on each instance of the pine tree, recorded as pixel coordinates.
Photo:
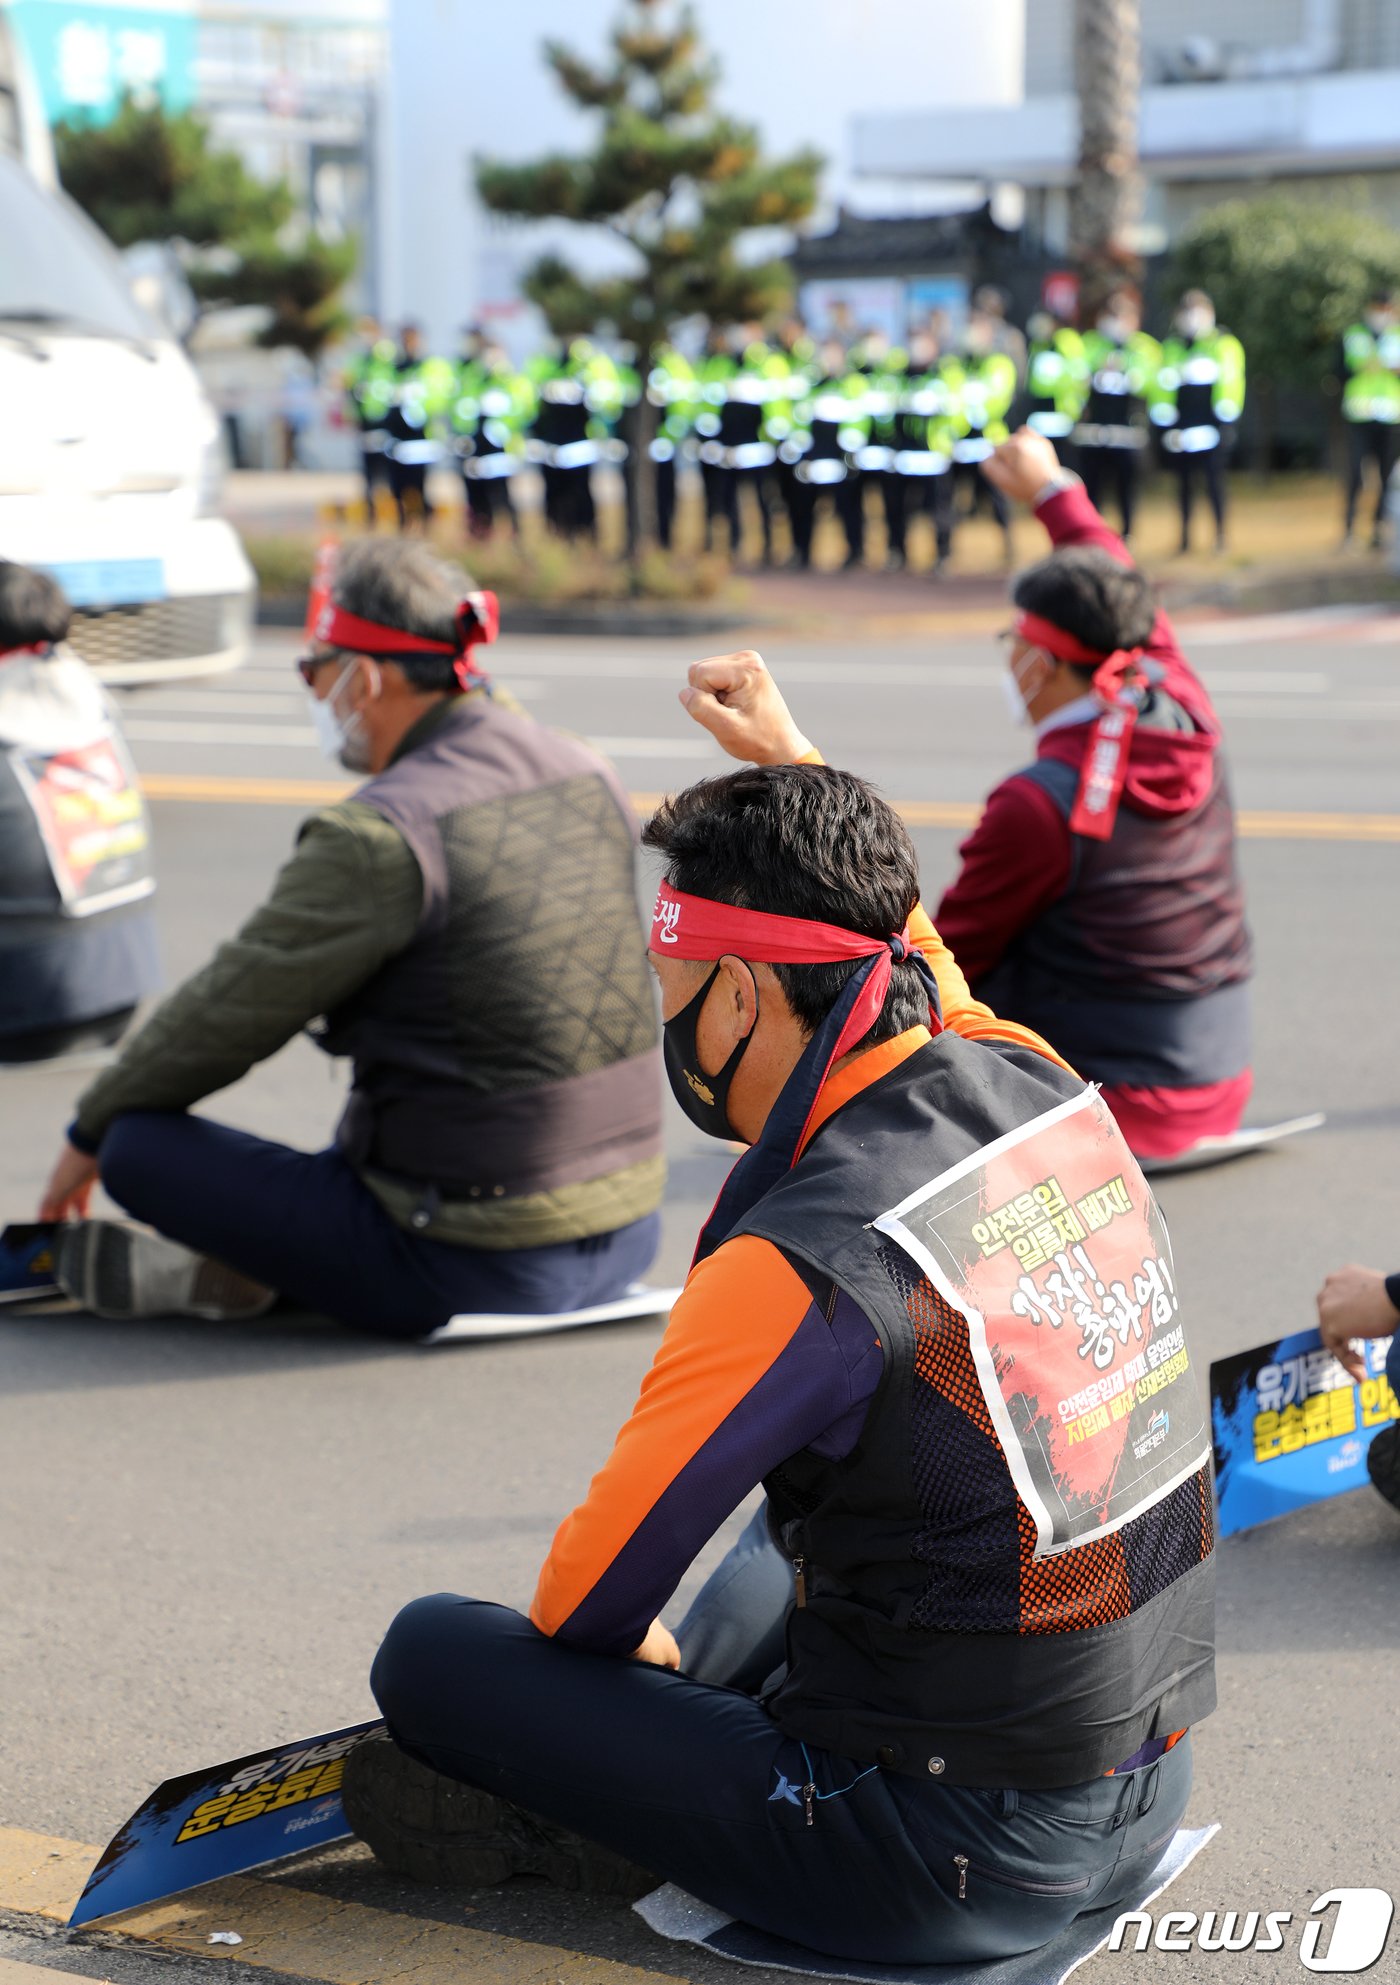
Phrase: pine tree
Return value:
(675, 180)
(155, 175)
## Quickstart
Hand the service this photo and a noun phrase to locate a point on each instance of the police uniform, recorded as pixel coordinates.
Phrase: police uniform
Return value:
(369, 391)
(923, 425)
(831, 426)
(1057, 385)
(491, 407)
(985, 387)
(1113, 433)
(1371, 410)
(1196, 402)
(421, 393)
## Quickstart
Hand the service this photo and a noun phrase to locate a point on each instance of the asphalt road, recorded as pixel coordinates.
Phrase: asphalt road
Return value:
(204, 1530)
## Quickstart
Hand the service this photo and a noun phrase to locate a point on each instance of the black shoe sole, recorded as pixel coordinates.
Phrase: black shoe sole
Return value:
(433, 1830)
(95, 1261)
(1383, 1464)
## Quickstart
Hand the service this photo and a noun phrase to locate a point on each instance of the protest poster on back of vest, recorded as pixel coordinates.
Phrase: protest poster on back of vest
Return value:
(87, 804)
(1051, 1245)
(1291, 1426)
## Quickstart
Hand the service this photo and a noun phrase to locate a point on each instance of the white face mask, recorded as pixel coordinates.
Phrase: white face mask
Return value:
(1010, 681)
(1195, 324)
(341, 739)
(1114, 328)
(1011, 694)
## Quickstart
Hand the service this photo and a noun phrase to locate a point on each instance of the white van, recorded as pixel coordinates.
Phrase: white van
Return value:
(112, 457)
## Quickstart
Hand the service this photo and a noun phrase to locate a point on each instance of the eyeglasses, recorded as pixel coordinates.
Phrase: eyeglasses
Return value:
(307, 664)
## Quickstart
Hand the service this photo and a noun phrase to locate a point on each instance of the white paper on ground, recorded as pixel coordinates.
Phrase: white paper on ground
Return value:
(1217, 1150)
(682, 1918)
(639, 1302)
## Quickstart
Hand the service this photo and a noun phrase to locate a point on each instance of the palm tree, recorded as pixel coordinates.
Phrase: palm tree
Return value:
(1106, 202)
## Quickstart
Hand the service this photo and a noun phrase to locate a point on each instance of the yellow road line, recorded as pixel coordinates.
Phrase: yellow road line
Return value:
(1319, 826)
(245, 792)
(42, 1876)
(1253, 826)
(293, 1930)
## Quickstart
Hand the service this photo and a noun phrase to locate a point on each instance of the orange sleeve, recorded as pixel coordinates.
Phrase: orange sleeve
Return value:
(685, 1459)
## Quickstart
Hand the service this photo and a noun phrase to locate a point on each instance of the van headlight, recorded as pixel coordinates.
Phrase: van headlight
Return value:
(213, 466)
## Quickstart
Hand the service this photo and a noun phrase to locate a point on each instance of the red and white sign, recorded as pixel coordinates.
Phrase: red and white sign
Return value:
(1051, 1245)
(88, 806)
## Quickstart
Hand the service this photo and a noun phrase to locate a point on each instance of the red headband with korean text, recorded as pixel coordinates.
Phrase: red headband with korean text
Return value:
(694, 927)
(1105, 766)
(478, 620)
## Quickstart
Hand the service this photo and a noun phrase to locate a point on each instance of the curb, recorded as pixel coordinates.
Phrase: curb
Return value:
(1282, 593)
(1272, 593)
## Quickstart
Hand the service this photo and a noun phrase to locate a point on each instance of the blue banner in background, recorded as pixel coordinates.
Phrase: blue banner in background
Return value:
(224, 1820)
(1290, 1426)
(87, 54)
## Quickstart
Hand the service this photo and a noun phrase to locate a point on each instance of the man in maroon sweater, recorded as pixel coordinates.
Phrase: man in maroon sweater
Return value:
(1099, 899)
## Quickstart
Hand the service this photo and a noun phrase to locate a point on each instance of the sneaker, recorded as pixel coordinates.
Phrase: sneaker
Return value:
(434, 1830)
(118, 1271)
(1383, 1463)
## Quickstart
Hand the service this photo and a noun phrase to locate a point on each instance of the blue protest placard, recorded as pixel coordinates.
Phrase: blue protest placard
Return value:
(1290, 1426)
(224, 1820)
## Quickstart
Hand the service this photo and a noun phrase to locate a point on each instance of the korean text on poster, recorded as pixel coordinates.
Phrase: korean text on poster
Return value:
(1291, 1427)
(1052, 1246)
(223, 1821)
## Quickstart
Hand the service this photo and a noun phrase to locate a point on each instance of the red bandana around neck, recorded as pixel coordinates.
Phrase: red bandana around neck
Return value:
(1118, 682)
(478, 621)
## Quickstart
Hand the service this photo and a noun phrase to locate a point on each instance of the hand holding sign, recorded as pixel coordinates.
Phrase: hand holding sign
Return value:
(735, 699)
(1353, 1303)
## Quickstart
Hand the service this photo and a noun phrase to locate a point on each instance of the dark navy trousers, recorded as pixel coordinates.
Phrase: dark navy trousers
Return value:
(307, 1225)
(697, 1783)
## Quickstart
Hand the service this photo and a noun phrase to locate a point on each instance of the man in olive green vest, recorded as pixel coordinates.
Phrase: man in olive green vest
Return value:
(464, 930)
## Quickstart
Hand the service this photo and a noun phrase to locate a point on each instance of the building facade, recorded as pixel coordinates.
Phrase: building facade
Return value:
(1236, 94)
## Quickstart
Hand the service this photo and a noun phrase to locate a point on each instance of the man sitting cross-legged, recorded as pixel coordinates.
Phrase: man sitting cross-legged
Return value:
(464, 930)
(933, 1313)
(1099, 897)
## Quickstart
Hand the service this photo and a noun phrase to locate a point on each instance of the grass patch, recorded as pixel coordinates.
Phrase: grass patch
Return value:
(536, 568)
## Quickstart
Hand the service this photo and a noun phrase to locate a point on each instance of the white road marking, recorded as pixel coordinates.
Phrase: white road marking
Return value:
(195, 702)
(214, 703)
(1255, 682)
(657, 747)
(1302, 626)
(1354, 711)
(150, 730)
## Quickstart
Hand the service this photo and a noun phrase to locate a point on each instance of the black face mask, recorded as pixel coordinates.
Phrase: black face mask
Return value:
(704, 1098)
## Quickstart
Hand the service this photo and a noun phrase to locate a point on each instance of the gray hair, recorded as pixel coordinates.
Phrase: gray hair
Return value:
(401, 583)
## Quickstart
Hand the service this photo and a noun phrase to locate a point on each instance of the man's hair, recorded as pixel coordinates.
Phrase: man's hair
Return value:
(400, 583)
(801, 841)
(1091, 595)
(34, 608)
